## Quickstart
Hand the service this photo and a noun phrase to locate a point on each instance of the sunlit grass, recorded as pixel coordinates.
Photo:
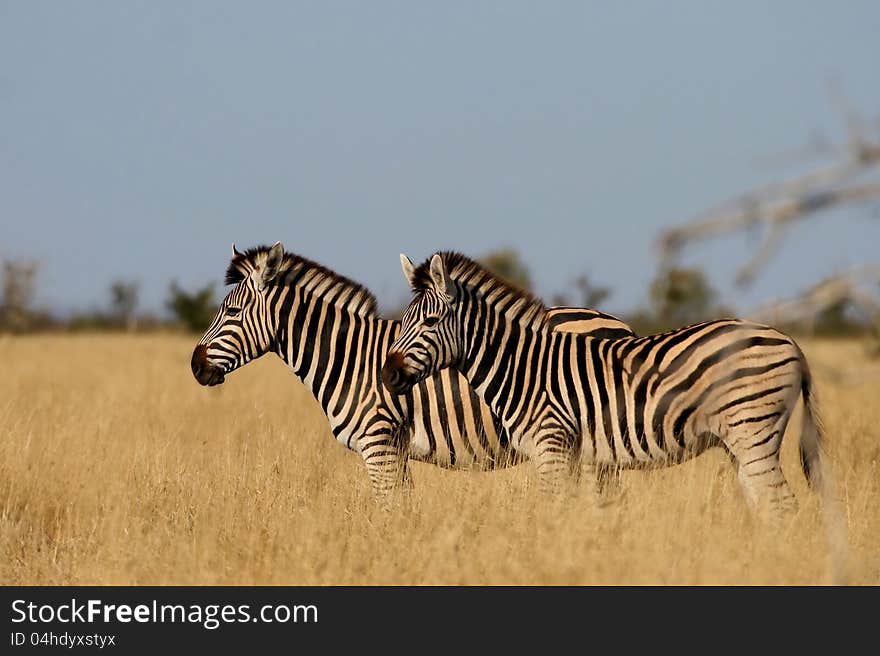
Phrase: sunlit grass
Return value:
(116, 467)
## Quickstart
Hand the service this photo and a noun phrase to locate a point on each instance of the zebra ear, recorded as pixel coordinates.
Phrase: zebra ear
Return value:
(273, 263)
(440, 278)
(235, 252)
(409, 270)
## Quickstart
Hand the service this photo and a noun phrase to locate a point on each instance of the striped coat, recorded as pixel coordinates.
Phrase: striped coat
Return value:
(326, 329)
(633, 402)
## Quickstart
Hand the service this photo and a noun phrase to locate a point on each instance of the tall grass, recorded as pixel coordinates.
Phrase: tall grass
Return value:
(116, 467)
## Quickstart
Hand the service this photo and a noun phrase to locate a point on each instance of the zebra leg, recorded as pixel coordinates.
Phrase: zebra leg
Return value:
(755, 450)
(404, 479)
(385, 458)
(575, 469)
(553, 457)
(607, 479)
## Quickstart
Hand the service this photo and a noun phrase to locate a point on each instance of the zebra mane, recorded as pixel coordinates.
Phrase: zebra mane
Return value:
(298, 270)
(473, 277)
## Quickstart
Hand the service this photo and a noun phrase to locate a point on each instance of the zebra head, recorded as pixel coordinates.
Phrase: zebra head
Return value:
(243, 328)
(429, 338)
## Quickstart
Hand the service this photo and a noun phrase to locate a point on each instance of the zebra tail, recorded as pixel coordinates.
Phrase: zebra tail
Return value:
(820, 480)
(811, 433)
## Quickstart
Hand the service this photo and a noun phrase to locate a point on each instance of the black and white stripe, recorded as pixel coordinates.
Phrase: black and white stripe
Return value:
(626, 403)
(326, 329)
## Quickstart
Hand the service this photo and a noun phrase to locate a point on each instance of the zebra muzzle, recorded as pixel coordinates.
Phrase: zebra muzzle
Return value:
(204, 371)
(394, 375)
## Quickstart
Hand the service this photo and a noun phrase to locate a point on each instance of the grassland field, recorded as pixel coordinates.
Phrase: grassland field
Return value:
(116, 467)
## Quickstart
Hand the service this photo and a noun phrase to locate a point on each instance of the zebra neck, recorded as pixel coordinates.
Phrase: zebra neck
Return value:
(502, 356)
(334, 352)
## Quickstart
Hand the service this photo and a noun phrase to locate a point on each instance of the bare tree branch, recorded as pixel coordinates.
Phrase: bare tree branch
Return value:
(859, 286)
(774, 207)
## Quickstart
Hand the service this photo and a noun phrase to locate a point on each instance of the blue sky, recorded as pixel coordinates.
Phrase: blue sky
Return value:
(139, 139)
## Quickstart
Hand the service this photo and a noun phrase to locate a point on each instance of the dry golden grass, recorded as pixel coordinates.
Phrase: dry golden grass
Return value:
(117, 468)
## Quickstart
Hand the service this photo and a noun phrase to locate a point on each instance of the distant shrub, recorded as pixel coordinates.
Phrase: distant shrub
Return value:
(194, 310)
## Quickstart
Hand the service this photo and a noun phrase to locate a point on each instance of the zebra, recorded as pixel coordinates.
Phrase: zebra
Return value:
(629, 403)
(325, 327)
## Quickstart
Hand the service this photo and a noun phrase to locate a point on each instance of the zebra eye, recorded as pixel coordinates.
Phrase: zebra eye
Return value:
(233, 311)
(430, 322)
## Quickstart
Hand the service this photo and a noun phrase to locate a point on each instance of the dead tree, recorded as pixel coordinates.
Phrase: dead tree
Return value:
(774, 208)
(858, 287)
